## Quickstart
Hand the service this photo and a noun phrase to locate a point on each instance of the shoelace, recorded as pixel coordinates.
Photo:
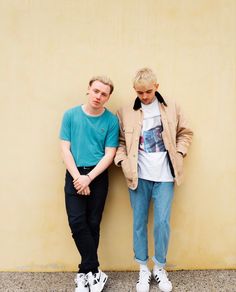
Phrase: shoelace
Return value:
(144, 277)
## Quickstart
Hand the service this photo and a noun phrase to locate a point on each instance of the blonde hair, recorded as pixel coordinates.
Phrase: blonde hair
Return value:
(104, 79)
(144, 75)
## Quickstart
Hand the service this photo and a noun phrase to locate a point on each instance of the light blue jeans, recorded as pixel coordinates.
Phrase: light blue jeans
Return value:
(162, 195)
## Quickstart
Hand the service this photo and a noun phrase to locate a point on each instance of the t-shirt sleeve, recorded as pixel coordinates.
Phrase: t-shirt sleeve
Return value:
(65, 132)
(113, 134)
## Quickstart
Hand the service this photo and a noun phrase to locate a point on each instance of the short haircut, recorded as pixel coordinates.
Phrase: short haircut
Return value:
(104, 79)
(144, 75)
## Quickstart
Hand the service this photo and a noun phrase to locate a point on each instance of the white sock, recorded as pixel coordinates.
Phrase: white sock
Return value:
(157, 267)
(144, 268)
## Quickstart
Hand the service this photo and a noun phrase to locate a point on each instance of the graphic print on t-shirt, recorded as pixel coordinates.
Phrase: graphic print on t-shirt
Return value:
(151, 139)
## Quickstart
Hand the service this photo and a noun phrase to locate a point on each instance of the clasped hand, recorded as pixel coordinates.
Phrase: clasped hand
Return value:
(81, 184)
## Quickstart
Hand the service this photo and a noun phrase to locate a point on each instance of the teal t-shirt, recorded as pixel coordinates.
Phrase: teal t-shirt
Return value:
(89, 135)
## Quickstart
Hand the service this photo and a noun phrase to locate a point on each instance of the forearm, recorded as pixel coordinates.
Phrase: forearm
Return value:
(121, 153)
(183, 140)
(70, 163)
(103, 164)
(184, 134)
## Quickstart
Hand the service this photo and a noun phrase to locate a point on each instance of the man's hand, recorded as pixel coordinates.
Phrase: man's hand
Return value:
(81, 183)
(85, 192)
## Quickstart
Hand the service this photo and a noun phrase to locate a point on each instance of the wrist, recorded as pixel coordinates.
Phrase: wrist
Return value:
(89, 177)
(76, 178)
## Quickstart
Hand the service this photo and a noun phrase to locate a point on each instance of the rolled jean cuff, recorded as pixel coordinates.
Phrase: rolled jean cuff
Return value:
(158, 264)
(141, 262)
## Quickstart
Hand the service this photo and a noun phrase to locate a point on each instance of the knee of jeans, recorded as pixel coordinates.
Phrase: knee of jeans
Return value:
(94, 225)
(77, 224)
(161, 222)
(140, 223)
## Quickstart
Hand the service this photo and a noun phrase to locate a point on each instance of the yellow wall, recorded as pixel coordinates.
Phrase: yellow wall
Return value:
(49, 50)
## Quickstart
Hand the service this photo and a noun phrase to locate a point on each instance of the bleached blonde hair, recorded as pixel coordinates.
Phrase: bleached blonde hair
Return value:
(144, 75)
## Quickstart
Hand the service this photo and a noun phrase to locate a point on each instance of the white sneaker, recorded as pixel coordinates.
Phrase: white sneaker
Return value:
(160, 275)
(96, 281)
(81, 283)
(143, 283)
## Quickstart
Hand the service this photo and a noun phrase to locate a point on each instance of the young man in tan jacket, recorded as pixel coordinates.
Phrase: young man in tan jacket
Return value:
(154, 138)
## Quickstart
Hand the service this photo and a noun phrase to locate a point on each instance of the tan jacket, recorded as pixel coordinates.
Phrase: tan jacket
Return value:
(176, 135)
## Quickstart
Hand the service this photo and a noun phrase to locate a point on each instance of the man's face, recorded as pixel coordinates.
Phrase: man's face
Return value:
(146, 91)
(98, 94)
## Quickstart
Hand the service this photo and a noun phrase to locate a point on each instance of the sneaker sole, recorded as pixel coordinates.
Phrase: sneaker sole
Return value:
(165, 290)
(78, 290)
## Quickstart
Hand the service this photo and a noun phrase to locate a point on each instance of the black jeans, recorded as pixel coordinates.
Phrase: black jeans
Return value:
(84, 216)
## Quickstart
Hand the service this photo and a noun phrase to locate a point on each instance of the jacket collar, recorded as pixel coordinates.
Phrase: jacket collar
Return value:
(137, 102)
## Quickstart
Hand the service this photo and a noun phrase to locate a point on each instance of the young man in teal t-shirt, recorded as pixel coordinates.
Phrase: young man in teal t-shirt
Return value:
(89, 137)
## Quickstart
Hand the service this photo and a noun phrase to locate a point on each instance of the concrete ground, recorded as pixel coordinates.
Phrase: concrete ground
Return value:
(183, 281)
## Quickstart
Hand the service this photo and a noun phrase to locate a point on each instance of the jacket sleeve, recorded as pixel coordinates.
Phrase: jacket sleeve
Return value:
(184, 134)
(121, 153)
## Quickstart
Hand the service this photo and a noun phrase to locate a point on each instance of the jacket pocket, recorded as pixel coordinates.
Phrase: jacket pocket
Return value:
(179, 163)
(128, 131)
(125, 164)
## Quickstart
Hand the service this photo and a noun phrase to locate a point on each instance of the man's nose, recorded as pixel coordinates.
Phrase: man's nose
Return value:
(145, 95)
(98, 96)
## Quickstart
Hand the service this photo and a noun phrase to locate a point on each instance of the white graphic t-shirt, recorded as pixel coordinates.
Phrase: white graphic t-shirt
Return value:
(152, 157)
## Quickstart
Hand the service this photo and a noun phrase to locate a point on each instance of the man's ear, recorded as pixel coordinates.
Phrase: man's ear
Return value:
(88, 90)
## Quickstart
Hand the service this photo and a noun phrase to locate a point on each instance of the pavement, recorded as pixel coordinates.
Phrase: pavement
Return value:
(183, 281)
